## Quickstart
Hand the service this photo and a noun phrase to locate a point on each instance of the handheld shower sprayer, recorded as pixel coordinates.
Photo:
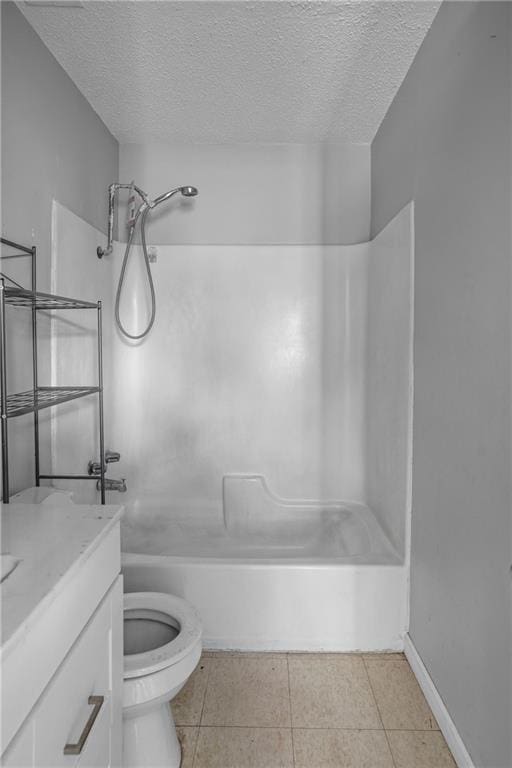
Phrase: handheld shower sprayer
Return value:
(146, 202)
(142, 213)
(185, 191)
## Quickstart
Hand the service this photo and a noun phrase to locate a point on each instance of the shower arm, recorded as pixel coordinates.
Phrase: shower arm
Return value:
(113, 188)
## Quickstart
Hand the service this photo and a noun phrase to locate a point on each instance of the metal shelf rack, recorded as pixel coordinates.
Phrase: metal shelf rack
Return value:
(39, 397)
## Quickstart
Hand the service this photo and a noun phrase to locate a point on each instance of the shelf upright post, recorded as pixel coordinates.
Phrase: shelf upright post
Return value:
(100, 403)
(3, 398)
(35, 379)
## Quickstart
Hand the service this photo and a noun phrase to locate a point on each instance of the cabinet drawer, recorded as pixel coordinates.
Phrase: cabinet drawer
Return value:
(63, 711)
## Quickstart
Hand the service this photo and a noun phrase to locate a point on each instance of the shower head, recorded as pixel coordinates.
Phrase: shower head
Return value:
(185, 191)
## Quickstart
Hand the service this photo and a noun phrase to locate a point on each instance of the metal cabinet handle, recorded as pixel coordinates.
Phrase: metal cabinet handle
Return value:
(75, 749)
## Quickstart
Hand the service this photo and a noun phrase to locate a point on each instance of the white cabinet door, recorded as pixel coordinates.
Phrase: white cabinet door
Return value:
(77, 720)
(26, 671)
(20, 753)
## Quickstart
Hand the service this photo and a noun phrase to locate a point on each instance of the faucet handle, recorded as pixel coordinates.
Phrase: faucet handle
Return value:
(111, 457)
(94, 468)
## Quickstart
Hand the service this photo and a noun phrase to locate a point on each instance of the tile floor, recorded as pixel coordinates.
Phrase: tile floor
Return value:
(249, 710)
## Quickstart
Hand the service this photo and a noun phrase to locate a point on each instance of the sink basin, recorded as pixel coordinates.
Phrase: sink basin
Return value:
(7, 565)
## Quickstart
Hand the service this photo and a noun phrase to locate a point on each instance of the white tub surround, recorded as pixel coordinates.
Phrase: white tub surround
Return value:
(289, 374)
(61, 631)
(255, 365)
(288, 363)
(73, 351)
(389, 378)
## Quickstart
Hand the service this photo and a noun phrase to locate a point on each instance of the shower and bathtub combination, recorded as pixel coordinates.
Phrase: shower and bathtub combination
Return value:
(264, 425)
(265, 432)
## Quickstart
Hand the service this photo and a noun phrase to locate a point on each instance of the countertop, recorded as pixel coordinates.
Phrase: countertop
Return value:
(51, 540)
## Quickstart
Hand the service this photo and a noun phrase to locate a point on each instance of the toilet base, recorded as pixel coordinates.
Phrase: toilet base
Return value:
(150, 740)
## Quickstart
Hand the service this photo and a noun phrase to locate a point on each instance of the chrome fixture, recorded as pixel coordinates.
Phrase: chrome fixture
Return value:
(185, 191)
(114, 485)
(145, 206)
(94, 467)
(77, 747)
(38, 397)
(113, 188)
(146, 203)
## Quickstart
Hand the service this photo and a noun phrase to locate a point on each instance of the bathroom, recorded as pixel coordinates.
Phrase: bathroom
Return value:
(306, 457)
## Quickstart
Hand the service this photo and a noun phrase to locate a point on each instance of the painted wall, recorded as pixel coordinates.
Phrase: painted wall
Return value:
(256, 193)
(446, 142)
(53, 146)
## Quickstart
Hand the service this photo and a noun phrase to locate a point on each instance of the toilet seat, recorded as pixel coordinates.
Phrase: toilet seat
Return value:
(178, 611)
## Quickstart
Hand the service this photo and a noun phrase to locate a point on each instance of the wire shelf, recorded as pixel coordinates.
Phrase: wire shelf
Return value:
(44, 397)
(19, 297)
(34, 400)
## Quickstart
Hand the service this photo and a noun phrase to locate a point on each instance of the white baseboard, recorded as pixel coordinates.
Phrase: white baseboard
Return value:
(437, 705)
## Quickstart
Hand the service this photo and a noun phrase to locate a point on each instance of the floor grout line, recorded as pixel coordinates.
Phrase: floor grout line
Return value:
(208, 670)
(309, 728)
(379, 712)
(194, 748)
(290, 709)
(315, 728)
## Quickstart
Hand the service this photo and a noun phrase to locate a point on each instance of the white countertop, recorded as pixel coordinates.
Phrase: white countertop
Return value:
(51, 540)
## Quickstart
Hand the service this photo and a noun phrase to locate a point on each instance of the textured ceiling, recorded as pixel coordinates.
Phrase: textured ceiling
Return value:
(245, 71)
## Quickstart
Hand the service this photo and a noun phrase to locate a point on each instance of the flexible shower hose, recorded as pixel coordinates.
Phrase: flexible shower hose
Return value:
(120, 283)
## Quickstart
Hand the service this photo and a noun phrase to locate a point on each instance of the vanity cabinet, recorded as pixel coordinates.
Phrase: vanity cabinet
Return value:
(63, 712)
(76, 718)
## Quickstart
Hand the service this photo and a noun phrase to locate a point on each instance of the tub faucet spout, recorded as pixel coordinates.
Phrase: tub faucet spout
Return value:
(113, 485)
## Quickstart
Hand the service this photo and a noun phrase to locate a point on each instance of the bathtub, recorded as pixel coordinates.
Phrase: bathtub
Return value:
(269, 574)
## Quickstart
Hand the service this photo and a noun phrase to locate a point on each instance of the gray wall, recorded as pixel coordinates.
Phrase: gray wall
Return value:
(255, 193)
(53, 146)
(446, 142)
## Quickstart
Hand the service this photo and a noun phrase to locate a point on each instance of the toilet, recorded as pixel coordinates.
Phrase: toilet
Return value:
(162, 646)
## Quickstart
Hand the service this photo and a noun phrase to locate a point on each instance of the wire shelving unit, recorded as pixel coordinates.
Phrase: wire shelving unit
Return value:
(39, 397)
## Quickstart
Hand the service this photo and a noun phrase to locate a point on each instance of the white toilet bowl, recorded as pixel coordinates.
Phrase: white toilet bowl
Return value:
(162, 635)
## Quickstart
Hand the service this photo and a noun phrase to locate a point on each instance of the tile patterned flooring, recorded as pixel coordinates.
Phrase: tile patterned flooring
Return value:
(293, 710)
